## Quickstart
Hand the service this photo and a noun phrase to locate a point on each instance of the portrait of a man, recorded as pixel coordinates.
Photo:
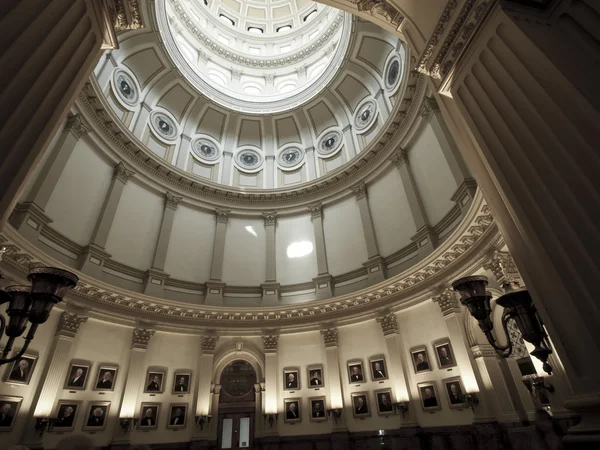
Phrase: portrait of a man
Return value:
(360, 404)
(355, 372)
(445, 356)
(155, 382)
(21, 370)
(148, 416)
(455, 392)
(429, 398)
(107, 375)
(420, 359)
(315, 376)
(181, 383)
(378, 369)
(9, 409)
(292, 410)
(317, 409)
(177, 415)
(384, 402)
(67, 413)
(96, 416)
(291, 380)
(77, 376)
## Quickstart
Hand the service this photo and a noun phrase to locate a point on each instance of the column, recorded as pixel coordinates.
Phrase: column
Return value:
(29, 216)
(334, 378)
(55, 371)
(204, 382)
(214, 287)
(259, 389)
(450, 307)
(466, 185)
(136, 373)
(526, 98)
(375, 265)
(94, 256)
(51, 48)
(272, 406)
(154, 281)
(425, 238)
(323, 281)
(270, 288)
(397, 365)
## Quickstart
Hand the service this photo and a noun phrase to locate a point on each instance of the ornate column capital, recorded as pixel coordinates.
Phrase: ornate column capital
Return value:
(316, 210)
(448, 301)
(270, 342)
(122, 173)
(222, 215)
(360, 190)
(209, 343)
(382, 9)
(400, 158)
(505, 271)
(77, 126)
(270, 218)
(125, 14)
(69, 323)
(172, 201)
(330, 337)
(388, 323)
(141, 337)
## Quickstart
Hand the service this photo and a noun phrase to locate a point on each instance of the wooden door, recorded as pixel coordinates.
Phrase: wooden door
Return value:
(236, 430)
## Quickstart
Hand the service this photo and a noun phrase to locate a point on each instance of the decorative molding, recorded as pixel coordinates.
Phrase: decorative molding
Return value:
(400, 158)
(388, 323)
(381, 9)
(172, 201)
(360, 190)
(209, 343)
(126, 14)
(330, 337)
(69, 323)
(316, 211)
(76, 125)
(484, 351)
(505, 271)
(222, 215)
(122, 173)
(270, 342)
(141, 337)
(436, 36)
(448, 301)
(270, 218)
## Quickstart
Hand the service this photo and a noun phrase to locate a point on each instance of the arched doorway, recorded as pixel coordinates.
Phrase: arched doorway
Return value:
(237, 404)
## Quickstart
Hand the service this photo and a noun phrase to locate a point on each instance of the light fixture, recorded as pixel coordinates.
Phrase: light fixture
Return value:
(127, 423)
(401, 408)
(202, 420)
(271, 419)
(31, 303)
(517, 305)
(43, 424)
(471, 400)
(536, 385)
(335, 414)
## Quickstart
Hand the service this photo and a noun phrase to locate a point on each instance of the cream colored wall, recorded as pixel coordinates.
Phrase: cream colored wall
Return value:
(290, 230)
(245, 254)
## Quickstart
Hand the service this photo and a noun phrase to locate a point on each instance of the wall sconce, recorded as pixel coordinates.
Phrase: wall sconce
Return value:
(127, 423)
(201, 420)
(335, 414)
(271, 419)
(401, 408)
(538, 388)
(471, 400)
(517, 305)
(43, 424)
(33, 304)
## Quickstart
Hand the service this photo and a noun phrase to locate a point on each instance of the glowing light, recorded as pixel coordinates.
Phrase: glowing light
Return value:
(299, 249)
(539, 366)
(250, 230)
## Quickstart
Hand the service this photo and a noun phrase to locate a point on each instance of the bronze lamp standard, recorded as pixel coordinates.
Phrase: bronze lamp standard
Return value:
(517, 305)
(31, 304)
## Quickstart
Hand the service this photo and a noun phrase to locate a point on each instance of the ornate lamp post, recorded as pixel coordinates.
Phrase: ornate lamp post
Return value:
(517, 305)
(31, 304)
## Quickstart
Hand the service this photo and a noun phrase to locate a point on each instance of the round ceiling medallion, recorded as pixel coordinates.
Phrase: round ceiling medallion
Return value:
(248, 159)
(163, 125)
(392, 72)
(290, 157)
(329, 143)
(205, 150)
(126, 87)
(365, 114)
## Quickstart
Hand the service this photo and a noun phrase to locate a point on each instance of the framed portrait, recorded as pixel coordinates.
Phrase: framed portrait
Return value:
(385, 406)
(429, 396)
(356, 373)
(9, 411)
(155, 382)
(182, 381)
(420, 359)
(66, 415)
(106, 378)
(444, 354)
(96, 416)
(379, 371)
(318, 410)
(177, 416)
(291, 379)
(455, 392)
(148, 416)
(77, 375)
(315, 375)
(291, 406)
(360, 404)
(21, 370)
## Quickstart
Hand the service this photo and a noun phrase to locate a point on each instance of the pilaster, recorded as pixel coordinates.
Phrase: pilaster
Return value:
(323, 284)
(270, 343)
(204, 381)
(184, 151)
(334, 374)
(270, 288)
(214, 287)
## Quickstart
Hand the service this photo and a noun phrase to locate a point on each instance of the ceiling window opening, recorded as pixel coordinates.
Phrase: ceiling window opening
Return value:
(299, 249)
(284, 28)
(255, 30)
(226, 19)
(252, 89)
(310, 14)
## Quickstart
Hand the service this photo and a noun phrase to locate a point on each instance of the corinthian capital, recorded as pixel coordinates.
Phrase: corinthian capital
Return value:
(122, 173)
(504, 269)
(171, 200)
(77, 126)
(388, 323)
(222, 215)
(209, 343)
(270, 218)
(315, 210)
(69, 323)
(270, 342)
(330, 337)
(360, 190)
(448, 301)
(125, 14)
(141, 337)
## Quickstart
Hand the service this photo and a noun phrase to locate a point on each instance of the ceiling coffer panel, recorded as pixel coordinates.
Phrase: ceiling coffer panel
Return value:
(321, 118)
(145, 64)
(212, 123)
(352, 92)
(374, 52)
(250, 133)
(287, 131)
(177, 100)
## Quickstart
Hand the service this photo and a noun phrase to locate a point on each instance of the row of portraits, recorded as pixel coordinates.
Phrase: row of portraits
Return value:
(443, 354)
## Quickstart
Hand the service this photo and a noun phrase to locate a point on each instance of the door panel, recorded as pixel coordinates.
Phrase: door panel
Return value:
(236, 430)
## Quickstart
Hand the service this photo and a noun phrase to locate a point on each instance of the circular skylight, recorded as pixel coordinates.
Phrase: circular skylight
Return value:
(257, 56)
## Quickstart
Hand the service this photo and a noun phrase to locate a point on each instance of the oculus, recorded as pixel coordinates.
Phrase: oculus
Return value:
(392, 73)
(249, 159)
(164, 126)
(126, 88)
(205, 150)
(329, 143)
(290, 157)
(365, 114)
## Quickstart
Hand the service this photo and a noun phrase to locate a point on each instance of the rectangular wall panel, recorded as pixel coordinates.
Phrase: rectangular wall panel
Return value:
(294, 236)
(245, 259)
